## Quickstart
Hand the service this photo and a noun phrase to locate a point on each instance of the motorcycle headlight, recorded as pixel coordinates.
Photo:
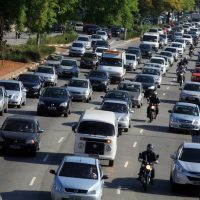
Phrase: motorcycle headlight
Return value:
(64, 104)
(151, 87)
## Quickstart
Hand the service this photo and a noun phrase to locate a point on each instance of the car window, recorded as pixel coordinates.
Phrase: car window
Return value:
(186, 110)
(190, 155)
(115, 107)
(10, 86)
(79, 170)
(78, 83)
(159, 61)
(129, 87)
(192, 87)
(68, 62)
(54, 93)
(29, 78)
(54, 57)
(144, 79)
(116, 95)
(46, 70)
(130, 57)
(78, 45)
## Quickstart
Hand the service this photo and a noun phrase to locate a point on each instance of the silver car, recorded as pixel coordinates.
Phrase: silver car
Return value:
(3, 101)
(185, 168)
(135, 90)
(15, 91)
(131, 62)
(77, 49)
(48, 75)
(122, 112)
(80, 89)
(85, 40)
(169, 55)
(78, 178)
(53, 60)
(185, 116)
(190, 93)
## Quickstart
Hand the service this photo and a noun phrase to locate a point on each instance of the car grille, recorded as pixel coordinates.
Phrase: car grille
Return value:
(94, 147)
(11, 140)
(52, 104)
(193, 178)
(185, 121)
(76, 190)
(75, 93)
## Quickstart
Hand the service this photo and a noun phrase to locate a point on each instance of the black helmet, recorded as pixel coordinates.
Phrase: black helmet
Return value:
(150, 147)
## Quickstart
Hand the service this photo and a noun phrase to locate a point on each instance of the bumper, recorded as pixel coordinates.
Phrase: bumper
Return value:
(79, 97)
(52, 110)
(73, 53)
(13, 102)
(184, 126)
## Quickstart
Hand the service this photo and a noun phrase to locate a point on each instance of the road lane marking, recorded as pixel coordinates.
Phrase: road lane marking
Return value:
(174, 79)
(61, 139)
(119, 190)
(32, 181)
(45, 158)
(112, 42)
(163, 94)
(134, 144)
(141, 131)
(126, 164)
(167, 88)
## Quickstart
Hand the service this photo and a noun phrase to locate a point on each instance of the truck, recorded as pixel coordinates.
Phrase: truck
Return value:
(113, 62)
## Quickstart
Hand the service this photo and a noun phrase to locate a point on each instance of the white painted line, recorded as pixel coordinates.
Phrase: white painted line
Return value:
(112, 42)
(167, 88)
(32, 181)
(171, 83)
(174, 79)
(141, 131)
(45, 158)
(134, 144)
(126, 164)
(119, 190)
(163, 94)
(61, 139)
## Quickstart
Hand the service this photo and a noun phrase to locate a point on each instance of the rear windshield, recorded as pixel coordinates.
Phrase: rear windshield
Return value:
(96, 128)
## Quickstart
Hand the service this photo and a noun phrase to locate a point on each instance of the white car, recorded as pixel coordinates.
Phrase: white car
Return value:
(103, 34)
(174, 51)
(16, 92)
(131, 62)
(188, 38)
(86, 40)
(169, 55)
(179, 46)
(165, 39)
(160, 61)
(185, 168)
(167, 63)
(77, 49)
(156, 65)
(100, 50)
(182, 41)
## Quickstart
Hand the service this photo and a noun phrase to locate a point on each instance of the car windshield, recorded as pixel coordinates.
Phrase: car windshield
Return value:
(79, 170)
(101, 33)
(186, 110)
(101, 43)
(129, 87)
(144, 79)
(85, 39)
(90, 55)
(80, 45)
(192, 87)
(163, 36)
(171, 50)
(159, 61)
(78, 83)
(54, 93)
(99, 50)
(46, 70)
(168, 54)
(116, 95)
(150, 38)
(145, 46)
(96, 128)
(190, 155)
(16, 125)
(54, 57)
(68, 63)
(96, 37)
(114, 62)
(130, 57)
(151, 71)
(28, 78)
(176, 45)
(132, 51)
(115, 107)
(10, 86)
(97, 74)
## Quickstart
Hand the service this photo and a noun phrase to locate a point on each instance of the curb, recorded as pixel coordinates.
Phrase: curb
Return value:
(59, 45)
(133, 39)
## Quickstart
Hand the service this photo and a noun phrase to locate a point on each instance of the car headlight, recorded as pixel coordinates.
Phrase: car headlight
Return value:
(41, 102)
(151, 87)
(179, 168)
(93, 192)
(64, 104)
(59, 187)
(124, 119)
(15, 96)
(196, 122)
(85, 92)
(173, 119)
(30, 142)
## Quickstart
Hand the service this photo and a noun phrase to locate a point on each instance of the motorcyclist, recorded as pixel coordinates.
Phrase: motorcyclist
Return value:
(148, 156)
(153, 100)
(181, 63)
(191, 48)
(185, 61)
(180, 70)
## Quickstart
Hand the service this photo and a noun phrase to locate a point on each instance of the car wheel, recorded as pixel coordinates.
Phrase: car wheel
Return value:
(1, 112)
(126, 130)
(39, 113)
(111, 163)
(158, 86)
(174, 186)
(66, 114)
(24, 103)
(139, 106)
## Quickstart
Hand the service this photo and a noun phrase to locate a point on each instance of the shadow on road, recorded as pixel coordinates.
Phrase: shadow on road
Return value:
(169, 101)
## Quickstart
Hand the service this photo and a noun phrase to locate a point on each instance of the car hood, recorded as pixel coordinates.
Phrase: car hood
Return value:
(185, 117)
(76, 89)
(77, 183)
(53, 100)
(43, 74)
(16, 135)
(12, 92)
(120, 115)
(191, 93)
(189, 166)
(67, 67)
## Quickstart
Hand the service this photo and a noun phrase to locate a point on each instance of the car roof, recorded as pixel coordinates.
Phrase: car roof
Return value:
(9, 81)
(80, 159)
(191, 145)
(186, 104)
(99, 115)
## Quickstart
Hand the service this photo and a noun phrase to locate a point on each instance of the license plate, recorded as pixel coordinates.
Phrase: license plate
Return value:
(185, 126)
(67, 72)
(51, 108)
(13, 146)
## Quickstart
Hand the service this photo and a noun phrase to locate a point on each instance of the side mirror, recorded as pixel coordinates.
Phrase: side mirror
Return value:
(74, 126)
(105, 177)
(41, 131)
(52, 171)
(169, 111)
(173, 156)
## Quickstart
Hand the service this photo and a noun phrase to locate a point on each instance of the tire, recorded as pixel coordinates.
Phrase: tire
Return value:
(39, 113)
(24, 103)
(126, 130)
(66, 114)
(1, 113)
(111, 163)
(174, 186)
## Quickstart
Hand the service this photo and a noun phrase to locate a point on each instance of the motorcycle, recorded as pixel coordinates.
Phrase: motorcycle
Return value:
(152, 113)
(191, 53)
(180, 78)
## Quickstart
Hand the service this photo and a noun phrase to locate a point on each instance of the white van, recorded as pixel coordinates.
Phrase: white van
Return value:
(96, 135)
(152, 39)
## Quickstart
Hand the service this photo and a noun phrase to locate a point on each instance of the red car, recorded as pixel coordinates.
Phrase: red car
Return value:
(196, 75)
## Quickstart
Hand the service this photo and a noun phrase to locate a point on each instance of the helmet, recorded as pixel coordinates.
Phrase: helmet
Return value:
(150, 147)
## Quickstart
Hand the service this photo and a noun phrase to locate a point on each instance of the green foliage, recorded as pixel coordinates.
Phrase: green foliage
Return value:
(26, 53)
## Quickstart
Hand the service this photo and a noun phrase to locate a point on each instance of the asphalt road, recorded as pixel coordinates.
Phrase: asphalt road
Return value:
(27, 178)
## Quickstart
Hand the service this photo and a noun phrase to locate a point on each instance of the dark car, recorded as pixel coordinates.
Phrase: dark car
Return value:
(92, 29)
(20, 133)
(116, 31)
(99, 80)
(146, 50)
(33, 84)
(118, 95)
(101, 43)
(89, 60)
(148, 83)
(136, 51)
(54, 100)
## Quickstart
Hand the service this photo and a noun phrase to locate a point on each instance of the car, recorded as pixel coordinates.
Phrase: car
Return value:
(116, 31)
(195, 74)
(136, 51)
(122, 111)
(146, 50)
(167, 63)
(92, 29)
(179, 46)
(89, 60)
(85, 40)
(32, 83)
(156, 72)
(16, 92)
(131, 62)
(20, 132)
(100, 50)
(182, 41)
(108, 31)
(159, 66)
(103, 34)
(54, 100)
(169, 55)
(53, 60)
(185, 168)
(3, 101)
(99, 80)
(135, 91)
(48, 74)
(78, 26)
(77, 49)
(188, 38)
(78, 177)
(101, 43)
(95, 38)
(80, 89)
(190, 93)
(174, 51)
(148, 83)
(184, 116)
(193, 34)
(195, 30)
(68, 68)
(159, 60)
